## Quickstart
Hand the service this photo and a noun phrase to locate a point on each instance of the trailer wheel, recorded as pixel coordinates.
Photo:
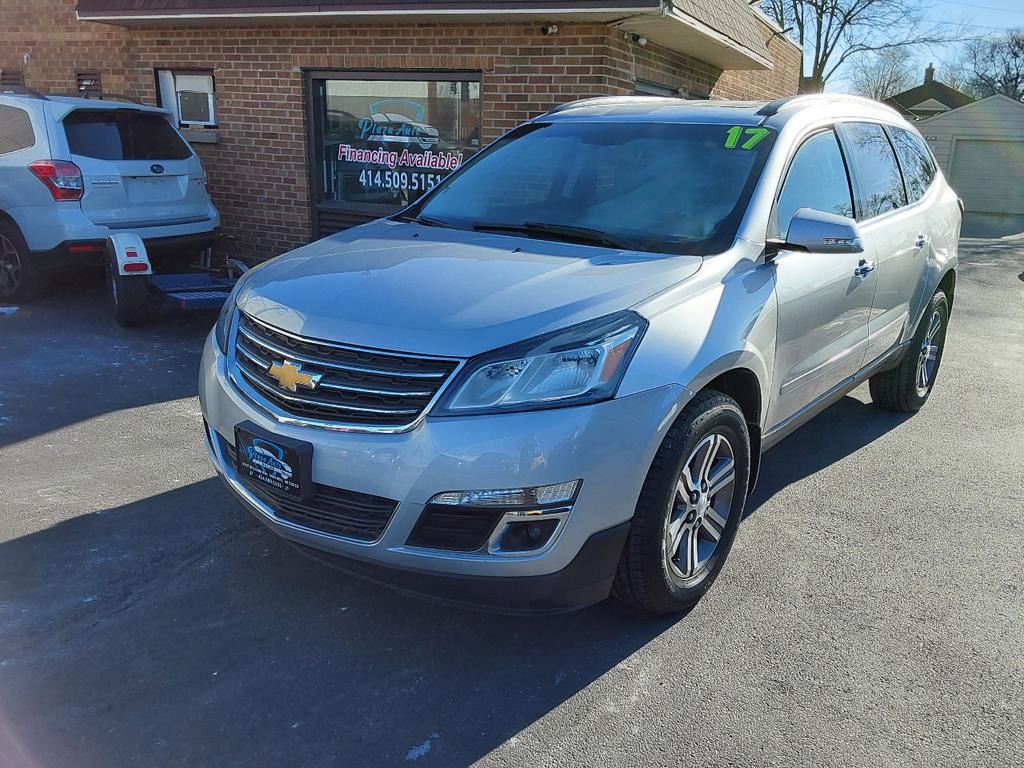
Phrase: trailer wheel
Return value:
(128, 294)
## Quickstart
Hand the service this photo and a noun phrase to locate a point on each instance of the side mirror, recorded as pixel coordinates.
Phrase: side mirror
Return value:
(818, 232)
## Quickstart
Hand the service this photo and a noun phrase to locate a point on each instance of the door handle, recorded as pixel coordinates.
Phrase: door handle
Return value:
(922, 241)
(863, 268)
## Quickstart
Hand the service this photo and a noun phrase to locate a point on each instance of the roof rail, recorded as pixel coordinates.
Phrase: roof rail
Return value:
(774, 107)
(598, 100)
(21, 90)
(99, 97)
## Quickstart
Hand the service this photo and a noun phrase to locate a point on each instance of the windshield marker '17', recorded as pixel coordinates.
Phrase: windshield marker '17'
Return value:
(733, 136)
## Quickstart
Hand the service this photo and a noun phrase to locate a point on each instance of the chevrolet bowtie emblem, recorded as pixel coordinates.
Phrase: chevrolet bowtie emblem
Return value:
(291, 376)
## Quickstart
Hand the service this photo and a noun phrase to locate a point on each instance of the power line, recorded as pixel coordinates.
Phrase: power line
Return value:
(979, 7)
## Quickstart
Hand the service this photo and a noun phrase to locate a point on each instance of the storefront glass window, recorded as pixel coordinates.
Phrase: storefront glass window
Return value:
(384, 142)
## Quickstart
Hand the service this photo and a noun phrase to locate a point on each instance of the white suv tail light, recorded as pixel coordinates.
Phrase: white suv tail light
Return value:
(62, 178)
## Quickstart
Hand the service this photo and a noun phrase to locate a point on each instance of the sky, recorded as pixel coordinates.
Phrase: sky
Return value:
(986, 17)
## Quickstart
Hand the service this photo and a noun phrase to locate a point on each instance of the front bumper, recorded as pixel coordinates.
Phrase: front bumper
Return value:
(608, 445)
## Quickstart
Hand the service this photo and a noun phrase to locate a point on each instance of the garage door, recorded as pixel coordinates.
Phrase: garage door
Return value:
(987, 175)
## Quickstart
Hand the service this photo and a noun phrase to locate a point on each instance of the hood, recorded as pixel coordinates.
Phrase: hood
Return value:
(409, 288)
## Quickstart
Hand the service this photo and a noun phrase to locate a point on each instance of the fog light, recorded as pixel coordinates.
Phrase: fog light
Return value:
(523, 537)
(529, 499)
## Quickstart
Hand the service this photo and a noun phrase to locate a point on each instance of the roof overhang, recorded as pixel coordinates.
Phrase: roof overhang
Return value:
(191, 12)
(681, 32)
(660, 22)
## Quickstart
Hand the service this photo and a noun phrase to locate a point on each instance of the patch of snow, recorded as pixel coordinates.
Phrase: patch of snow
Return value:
(421, 750)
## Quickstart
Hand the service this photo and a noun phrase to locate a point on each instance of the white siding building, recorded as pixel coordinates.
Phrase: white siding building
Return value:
(980, 147)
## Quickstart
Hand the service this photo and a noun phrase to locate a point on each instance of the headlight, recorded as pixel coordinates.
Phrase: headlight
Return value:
(581, 364)
(223, 327)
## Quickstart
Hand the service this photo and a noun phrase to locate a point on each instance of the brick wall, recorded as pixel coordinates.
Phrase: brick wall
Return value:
(782, 80)
(258, 169)
(59, 46)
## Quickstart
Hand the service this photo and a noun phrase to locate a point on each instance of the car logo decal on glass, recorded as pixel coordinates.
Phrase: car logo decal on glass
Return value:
(291, 376)
(156, 168)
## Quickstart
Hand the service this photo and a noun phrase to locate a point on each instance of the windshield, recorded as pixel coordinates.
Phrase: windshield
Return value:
(661, 187)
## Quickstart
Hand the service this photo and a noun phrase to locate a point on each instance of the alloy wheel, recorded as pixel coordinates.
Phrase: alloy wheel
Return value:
(10, 266)
(699, 509)
(928, 359)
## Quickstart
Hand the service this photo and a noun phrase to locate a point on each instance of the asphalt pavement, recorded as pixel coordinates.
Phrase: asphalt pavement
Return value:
(871, 612)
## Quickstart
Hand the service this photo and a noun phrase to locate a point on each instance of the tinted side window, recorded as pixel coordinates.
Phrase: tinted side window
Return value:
(15, 130)
(123, 135)
(816, 179)
(881, 186)
(916, 161)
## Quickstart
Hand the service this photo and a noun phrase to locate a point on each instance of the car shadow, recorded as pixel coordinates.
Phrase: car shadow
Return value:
(177, 630)
(65, 359)
(839, 431)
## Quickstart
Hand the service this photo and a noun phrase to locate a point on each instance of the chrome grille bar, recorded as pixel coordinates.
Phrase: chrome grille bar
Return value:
(276, 392)
(298, 357)
(348, 388)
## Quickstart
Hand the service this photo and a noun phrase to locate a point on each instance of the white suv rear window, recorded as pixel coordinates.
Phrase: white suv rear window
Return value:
(123, 134)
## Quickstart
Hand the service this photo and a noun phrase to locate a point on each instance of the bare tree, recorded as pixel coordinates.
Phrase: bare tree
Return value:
(951, 72)
(884, 73)
(993, 65)
(832, 32)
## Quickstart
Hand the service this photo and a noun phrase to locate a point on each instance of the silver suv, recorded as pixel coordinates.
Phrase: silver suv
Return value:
(75, 171)
(553, 376)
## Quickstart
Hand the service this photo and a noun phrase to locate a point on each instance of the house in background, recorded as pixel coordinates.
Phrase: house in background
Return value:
(930, 98)
(980, 147)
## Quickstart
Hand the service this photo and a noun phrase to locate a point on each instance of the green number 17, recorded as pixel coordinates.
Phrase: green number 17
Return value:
(733, 136)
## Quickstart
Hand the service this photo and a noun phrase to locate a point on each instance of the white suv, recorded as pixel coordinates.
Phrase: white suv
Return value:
(74, 171)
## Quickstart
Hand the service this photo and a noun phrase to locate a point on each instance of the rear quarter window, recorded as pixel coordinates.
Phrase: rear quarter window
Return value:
(123, 134)
(916, 161)
(879, 182)
(15, 130)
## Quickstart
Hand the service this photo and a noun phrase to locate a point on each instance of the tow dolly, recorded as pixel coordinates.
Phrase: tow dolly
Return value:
(136, 292)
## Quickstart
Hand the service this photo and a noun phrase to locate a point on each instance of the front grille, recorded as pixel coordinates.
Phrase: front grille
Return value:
(460, 529)
(330, 510)
(357, 386)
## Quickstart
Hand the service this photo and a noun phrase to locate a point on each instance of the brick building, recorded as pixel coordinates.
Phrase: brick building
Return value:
(286, 100)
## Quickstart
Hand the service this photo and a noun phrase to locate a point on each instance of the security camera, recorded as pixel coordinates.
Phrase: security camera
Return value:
(636, 39)
(549, 29)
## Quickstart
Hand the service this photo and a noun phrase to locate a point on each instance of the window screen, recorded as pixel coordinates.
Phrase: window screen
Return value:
(880, 185)
(15, 130)
(816, 179)
(916, 161)
(123, 135)
(189, 96)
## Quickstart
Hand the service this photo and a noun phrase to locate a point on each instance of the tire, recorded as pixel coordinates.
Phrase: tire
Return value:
(661, 577)
(903, 388)
(129, 296)
(20, 279)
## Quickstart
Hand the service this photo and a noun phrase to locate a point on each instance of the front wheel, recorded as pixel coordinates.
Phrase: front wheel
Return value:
(689, 508)
(907, 386)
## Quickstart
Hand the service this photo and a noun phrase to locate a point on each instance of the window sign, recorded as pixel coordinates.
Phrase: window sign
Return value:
(387, 141)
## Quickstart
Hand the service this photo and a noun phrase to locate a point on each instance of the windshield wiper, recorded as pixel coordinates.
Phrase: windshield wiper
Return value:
(425, 221)
(561, 231)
